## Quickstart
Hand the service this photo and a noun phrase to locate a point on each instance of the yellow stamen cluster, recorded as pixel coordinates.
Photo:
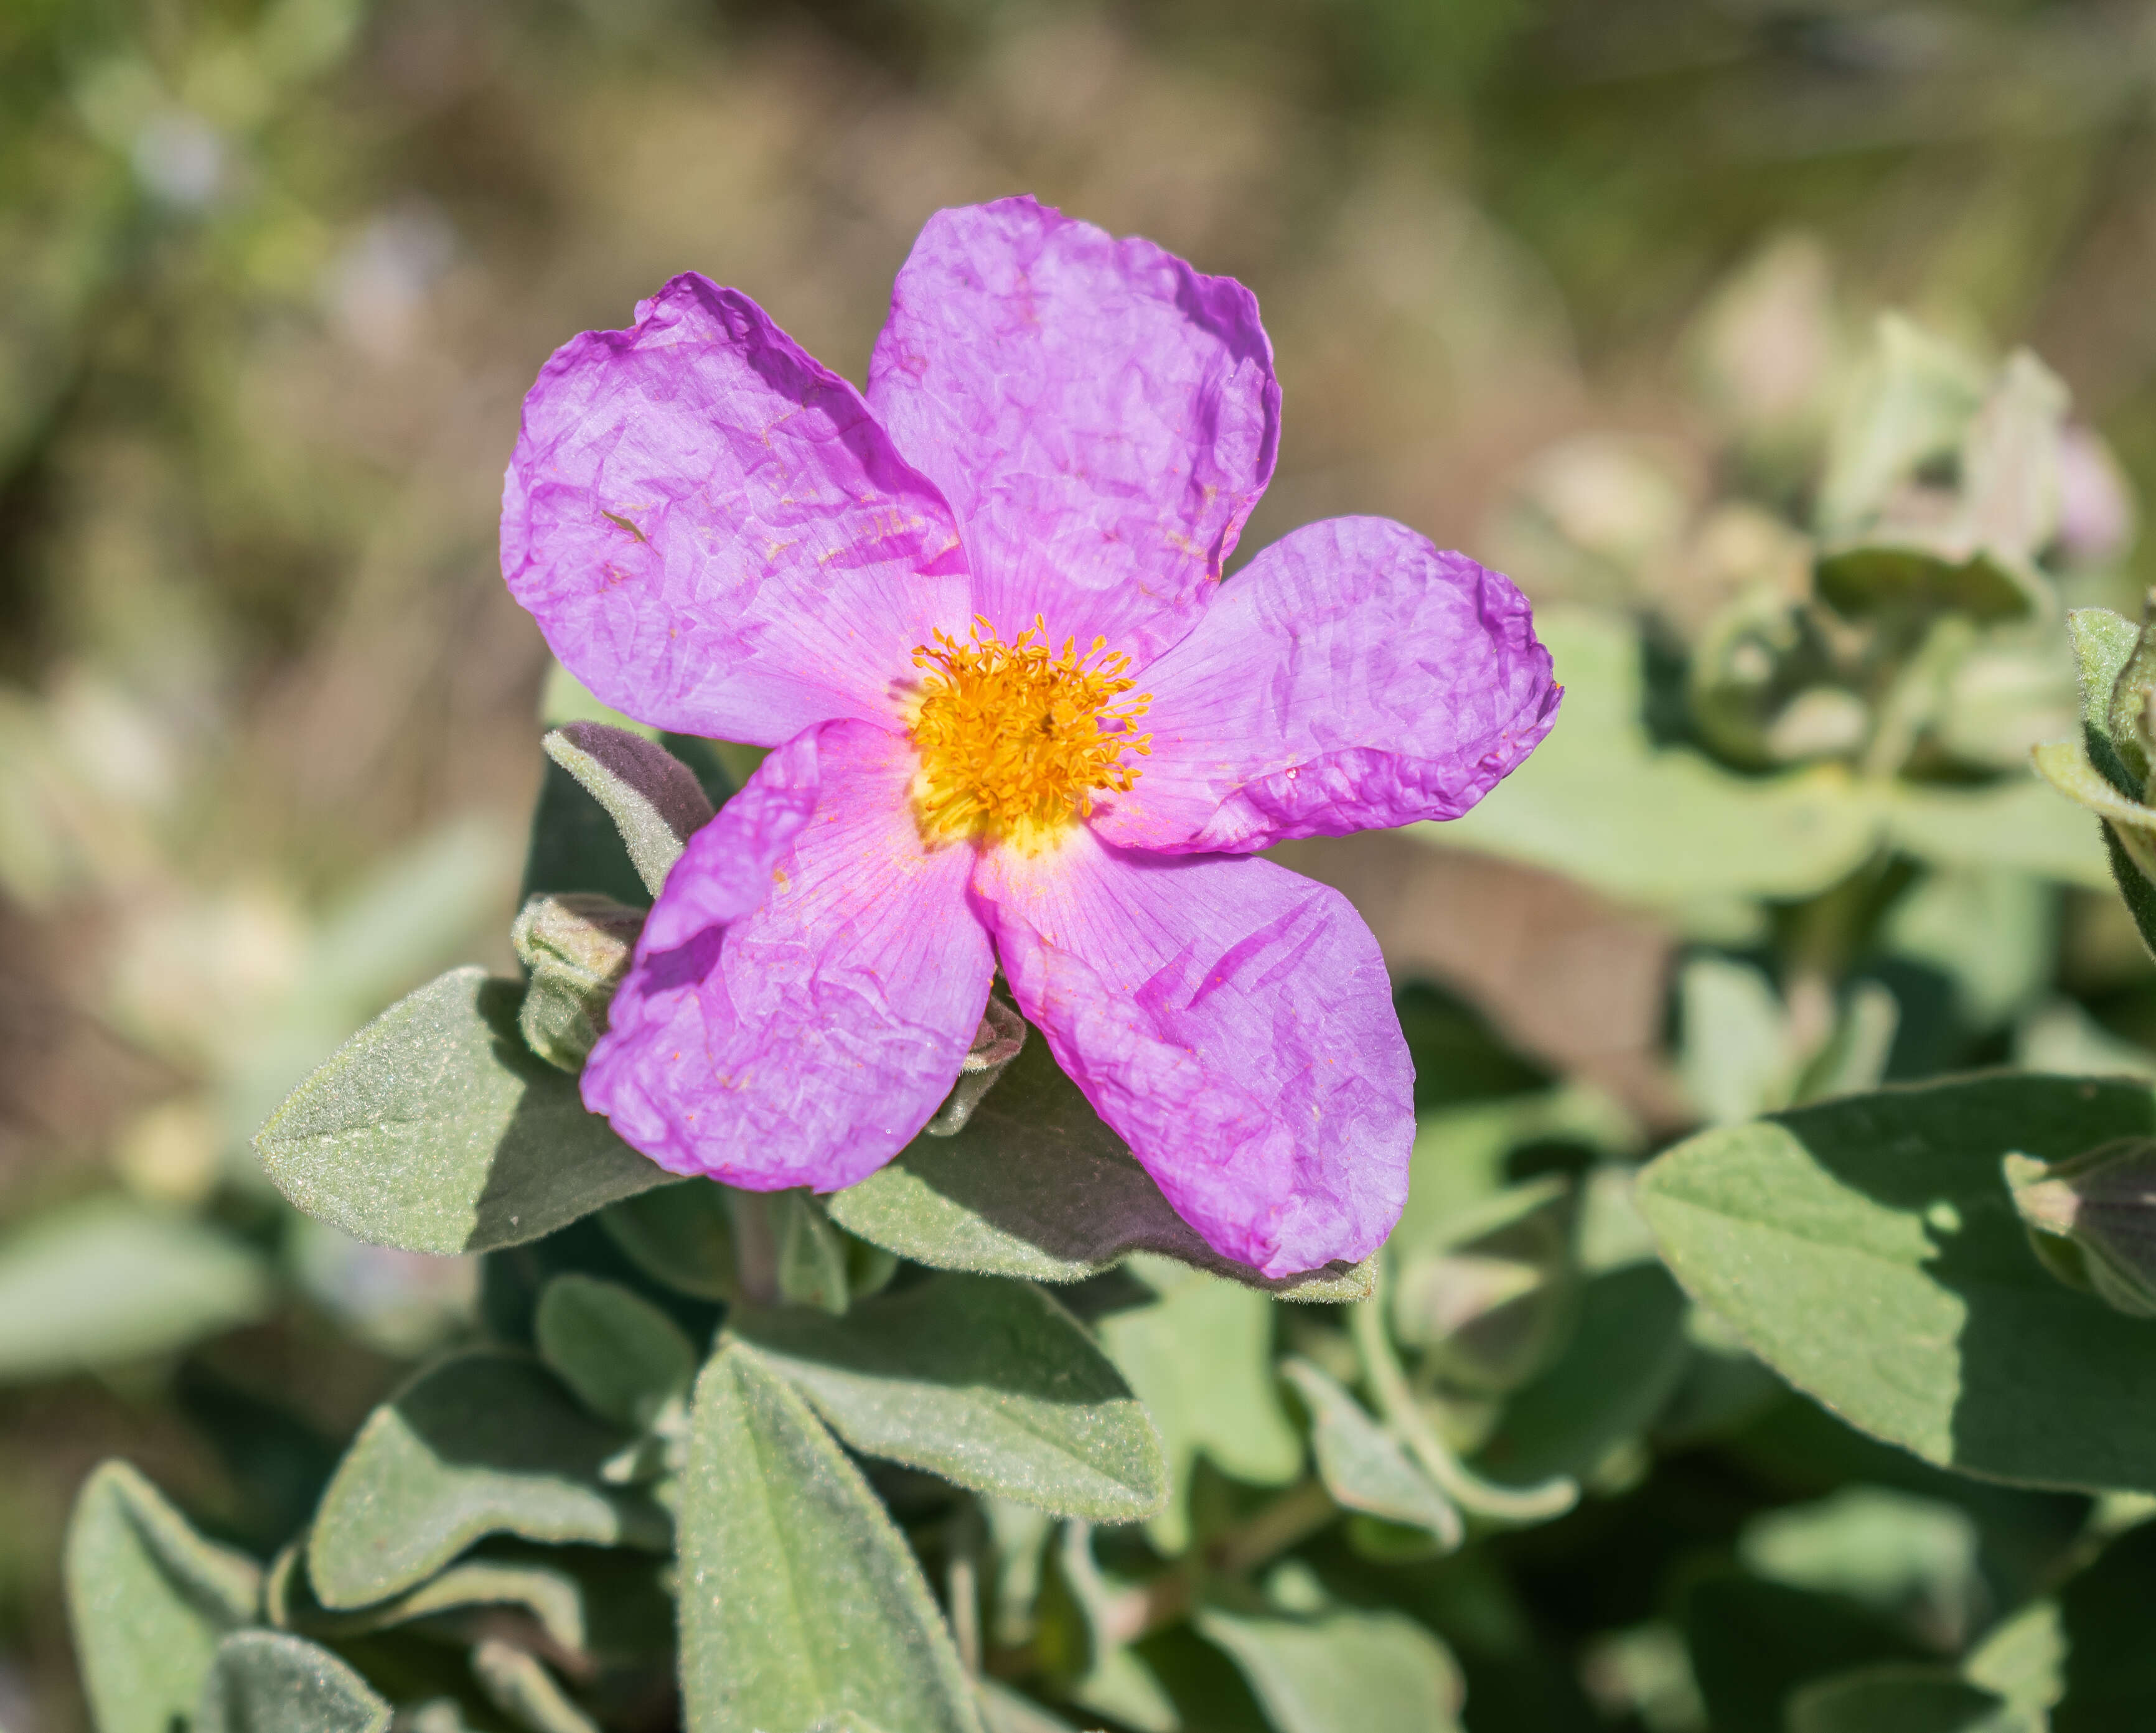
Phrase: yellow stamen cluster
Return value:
(1014, 739)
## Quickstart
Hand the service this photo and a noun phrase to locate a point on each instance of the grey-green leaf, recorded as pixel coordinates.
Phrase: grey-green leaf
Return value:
(800, 1600)
(435, 1129)
(108, 1280)
(149, 1600)
(1903, 1700)
(619, 1354)
(1036, 1186)
(681, 1234)
(273, 1682)
(1341, 1671)
(654, 798)
(484, 1442)
(987, 1382)
(1200, 1359)
(1362, 1467)
(517, 1683)
(1867, 1250)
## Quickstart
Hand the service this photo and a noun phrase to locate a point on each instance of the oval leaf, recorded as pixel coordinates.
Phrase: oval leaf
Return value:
(1035, 1186)
(1867, 1250)
(1902, 1699)
(800, 1602)
(621, 1355)
(435, 1129)
(989, 1383)
(149, 1600)
(654, 799)
(1341, 1672)
(681, 1234)
(1362, 1467)
(483, 1443)
(269, 1682)
(111, 1280)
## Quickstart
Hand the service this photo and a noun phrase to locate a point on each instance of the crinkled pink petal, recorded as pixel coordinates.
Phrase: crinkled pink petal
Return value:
(807, 986)
(1350, 678)
(1102, 416)
(1233, 1023)
(715, 534)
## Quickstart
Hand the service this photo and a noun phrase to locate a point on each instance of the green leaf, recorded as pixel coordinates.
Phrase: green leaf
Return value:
(149, 1600)
(2108, 1670)
(1341, 1671)
(1600, 802)
(2104, 643)
(800, 1601)
(1621, 1365)
(517, 1683)
(1867, 1250)
(1902, 1699)
(654, 799)
(812, 1258)
(1200, 1359)
(1035, 1186)
(606, 1605)
(681, 1234)
(435, 1129)
(1907, 1558)
(1003, 1711)
(108, 1280)
(1362, 1466)
(486, 1442)
(271, 1682)
(622, 1356)
(1913, 402)
(987, 1382)
(1753, 1643)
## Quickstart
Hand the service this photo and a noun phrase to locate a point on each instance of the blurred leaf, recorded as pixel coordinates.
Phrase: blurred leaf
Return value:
(1486, 1300)
(1909, 1558)
(1621, 1365)
(1736, 1059)
(518, 1684)
(1341, 1671)
(1902, 1699)
(2109, 1667)
(681, 1234)
(148, 1602)
(988, 1382)
(619, 1354)
(654, 799)
(2022, 1658)
(1362, 1466)
(1200, 1359)
(1601, 803)
(1867, 1250)
(812, 1258)
(435, 1129)
(484, 1442)
(1914, 403)
(108, 1280)
(1891, 571)
(271, 1682)
(1003, 1711)
(800, 1601)
(2017, 914)
(1035, 1186)
(2017, 824)
(1753, 1643)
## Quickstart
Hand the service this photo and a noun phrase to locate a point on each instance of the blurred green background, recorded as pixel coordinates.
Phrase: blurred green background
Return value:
(274, 278)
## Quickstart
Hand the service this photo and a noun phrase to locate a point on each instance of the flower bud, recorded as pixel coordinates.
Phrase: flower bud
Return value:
(2092, 1219)
(577, 946)
(995, 1044)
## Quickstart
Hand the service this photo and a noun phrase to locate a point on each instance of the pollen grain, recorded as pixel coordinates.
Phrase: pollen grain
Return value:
(1015, 740)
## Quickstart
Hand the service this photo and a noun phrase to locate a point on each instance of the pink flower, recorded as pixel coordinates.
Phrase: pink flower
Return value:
(1019, 719)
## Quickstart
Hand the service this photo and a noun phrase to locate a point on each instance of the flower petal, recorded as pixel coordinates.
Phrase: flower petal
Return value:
(1102, 416)
(1233, 1023)
(1351, 678)
(715, 534)
(807, 984)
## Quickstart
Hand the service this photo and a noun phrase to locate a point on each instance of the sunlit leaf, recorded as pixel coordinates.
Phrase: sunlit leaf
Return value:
(435, 1129)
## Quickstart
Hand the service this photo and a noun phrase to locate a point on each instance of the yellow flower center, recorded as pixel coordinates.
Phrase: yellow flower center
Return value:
(1014, 739)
